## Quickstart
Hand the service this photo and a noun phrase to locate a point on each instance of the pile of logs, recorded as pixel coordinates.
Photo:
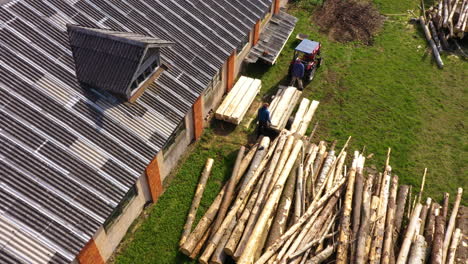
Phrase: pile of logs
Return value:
(237, 102)
(282, 106)
(293, 201)
(443, 23)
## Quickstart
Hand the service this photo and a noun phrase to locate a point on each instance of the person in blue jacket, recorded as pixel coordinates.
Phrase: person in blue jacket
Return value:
(298, 71)
(263, 119)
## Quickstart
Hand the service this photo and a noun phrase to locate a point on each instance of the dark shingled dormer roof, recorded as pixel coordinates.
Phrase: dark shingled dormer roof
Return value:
(118, 62)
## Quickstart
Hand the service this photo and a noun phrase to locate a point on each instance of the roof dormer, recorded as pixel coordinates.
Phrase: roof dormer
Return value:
(122, 63)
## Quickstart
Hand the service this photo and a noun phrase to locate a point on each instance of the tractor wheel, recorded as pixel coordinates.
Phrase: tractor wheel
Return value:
(312, 74)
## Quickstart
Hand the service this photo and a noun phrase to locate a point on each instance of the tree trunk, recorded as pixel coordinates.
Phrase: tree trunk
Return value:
(200, 244)
(281, 162)
(203, 225)
(344, 238)
(248, 256)
(422, 184)
(418, 251)
(298, 198)
(424, 213)
(244, 193)
(435, 51)
(269, 252)
(453, 246)
(322, 256)
(429, 227)
(281, 218)
(229, 196)
(390, 221)
(400, 209)
(219, 256)
(235, 236)
(438, 244)
(357, 204)
(451, 224)
(196, 201)
(445, 206)
(377, 243)
(364, 227)
(405, 247)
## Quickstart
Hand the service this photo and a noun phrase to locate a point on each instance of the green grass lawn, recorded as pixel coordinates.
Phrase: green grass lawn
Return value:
(390, 94)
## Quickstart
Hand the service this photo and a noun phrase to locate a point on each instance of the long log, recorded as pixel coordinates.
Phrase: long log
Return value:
(279, 225)
(451, 225)
(244, 193)
(364, 227)
(429, 227)
(248, 256)
(298, 206)
(202, 227)
(424, 214)
(438, 242)
(418, 251)
(435, 51)
(281, 162)
(357, 204)
(390, 221)
(235, 236)
(219, 256)
(405, 247)
(200, 244)
(269, 252)
(375, 202)
(229, 196)
(453, 246)
(422, 183)
(400, 208)
(322, 256)
(196, 201)
(345, 232)
(445, 205)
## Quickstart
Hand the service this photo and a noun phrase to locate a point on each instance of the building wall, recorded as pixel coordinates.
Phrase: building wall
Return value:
(214, 98)
(107, 241)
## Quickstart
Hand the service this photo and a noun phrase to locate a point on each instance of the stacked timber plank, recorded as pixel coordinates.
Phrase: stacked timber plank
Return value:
(282, 106)
(304, 116)
(292, 201)
(237, 102)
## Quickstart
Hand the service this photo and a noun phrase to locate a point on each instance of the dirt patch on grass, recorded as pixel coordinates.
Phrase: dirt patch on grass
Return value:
(349, 20)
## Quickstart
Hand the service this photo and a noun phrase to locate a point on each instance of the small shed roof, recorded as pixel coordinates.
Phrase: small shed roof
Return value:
(308, 46)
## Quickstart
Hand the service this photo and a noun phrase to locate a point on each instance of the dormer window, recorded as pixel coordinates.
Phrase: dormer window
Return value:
(122, 63)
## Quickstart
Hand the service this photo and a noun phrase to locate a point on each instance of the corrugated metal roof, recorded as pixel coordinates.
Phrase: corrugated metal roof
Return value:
(68, 154)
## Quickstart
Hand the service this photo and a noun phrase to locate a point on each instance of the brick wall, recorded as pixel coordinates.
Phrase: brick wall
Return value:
(276, 8)
(90, 254)
(198, 117)
(231, 70)
(256, 34)
(154, 179)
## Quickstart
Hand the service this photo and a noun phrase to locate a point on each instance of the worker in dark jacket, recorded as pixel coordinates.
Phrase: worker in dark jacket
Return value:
(298, 70)
(263, 119)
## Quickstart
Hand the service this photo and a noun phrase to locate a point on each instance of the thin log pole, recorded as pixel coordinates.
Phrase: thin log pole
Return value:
(281, 219)
(400, 208)
(200, 244)
(357, 204)
(445, 205)
(390, 220)
(345, 232)
(196, 201)
(322, 256)
(422, 185)
(298, 206)
(219, 256)
(364, 227)
(229, 196)
(405, 247)
(435, 51)
(453, 246)
(424, 214)
(451, 224)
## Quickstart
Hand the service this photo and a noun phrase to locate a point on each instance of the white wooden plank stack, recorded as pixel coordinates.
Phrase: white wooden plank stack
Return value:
(304, 116)
(236, 104)
(283, 105)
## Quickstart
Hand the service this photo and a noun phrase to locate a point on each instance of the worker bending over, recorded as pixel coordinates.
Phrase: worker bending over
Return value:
(298, 73)
(263, 119)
